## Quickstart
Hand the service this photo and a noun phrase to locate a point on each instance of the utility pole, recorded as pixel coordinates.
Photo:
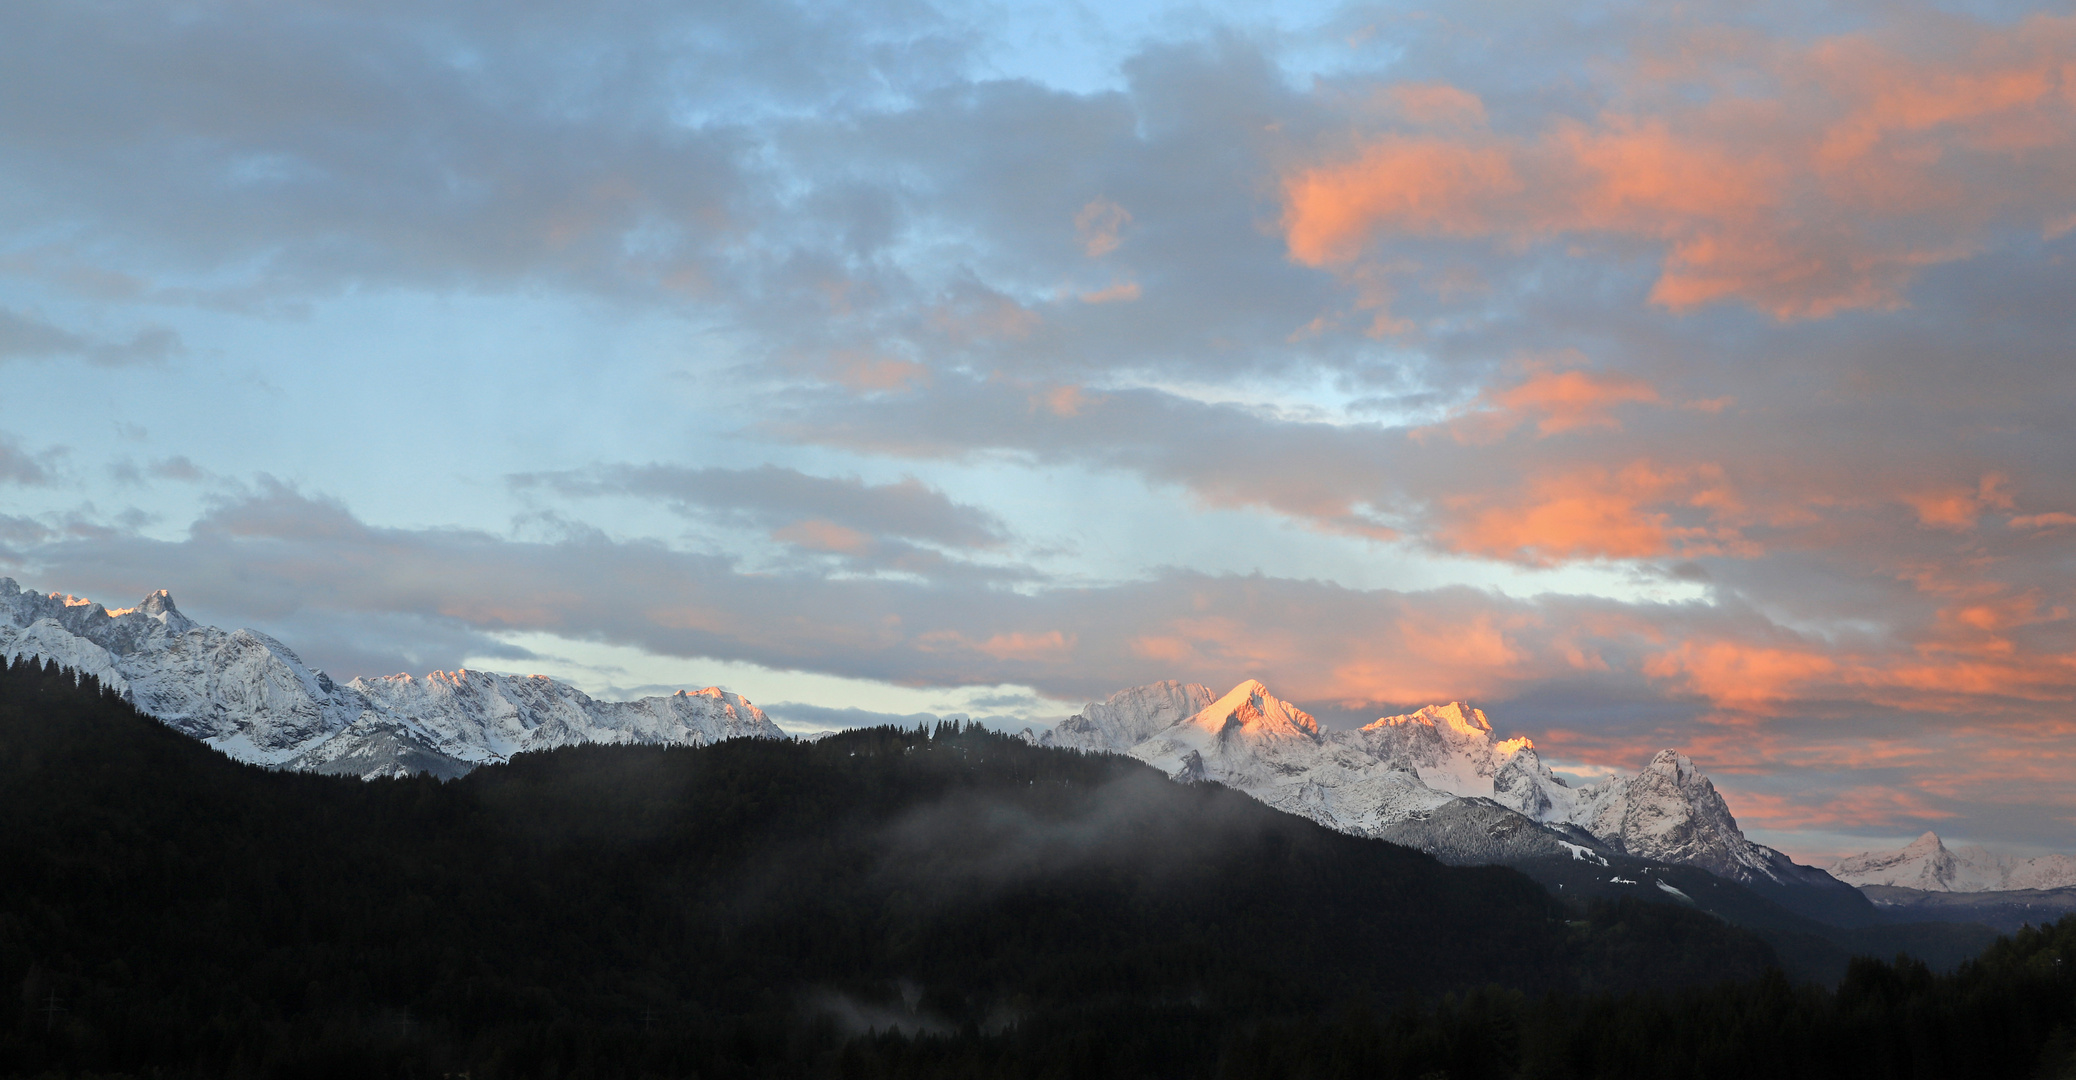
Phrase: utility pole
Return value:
(50, 1011)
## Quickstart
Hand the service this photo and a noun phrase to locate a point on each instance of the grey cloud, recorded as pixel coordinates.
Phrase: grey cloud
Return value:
(741, 165)
(347, 644)
(327, 144)
(773, 496)
(177, 467)
(23, 531)
(19, 466)
(894, 528)
(25, 336)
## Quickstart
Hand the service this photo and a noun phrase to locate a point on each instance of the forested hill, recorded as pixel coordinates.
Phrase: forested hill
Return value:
(750, 908)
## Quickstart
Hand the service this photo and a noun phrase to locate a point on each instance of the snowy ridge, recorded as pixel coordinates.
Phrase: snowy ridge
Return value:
(253, 698)
(1438, 778)
(1929, 865)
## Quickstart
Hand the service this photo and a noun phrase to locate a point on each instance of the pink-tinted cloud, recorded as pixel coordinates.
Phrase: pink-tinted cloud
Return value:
(1857, 161)
(1636, 511)
(1098, 226)
(1857, 807)
(1555, 401)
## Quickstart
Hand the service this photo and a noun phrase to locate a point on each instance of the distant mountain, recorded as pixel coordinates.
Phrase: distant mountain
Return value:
(1438, 779)
(253, 698)
(1927, 865)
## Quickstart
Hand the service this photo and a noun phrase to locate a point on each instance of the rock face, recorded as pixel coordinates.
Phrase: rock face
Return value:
(1928, 865)
(252, 697)
(1438, 779)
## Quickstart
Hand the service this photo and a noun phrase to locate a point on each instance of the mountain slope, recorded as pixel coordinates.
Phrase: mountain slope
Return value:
(253, 698)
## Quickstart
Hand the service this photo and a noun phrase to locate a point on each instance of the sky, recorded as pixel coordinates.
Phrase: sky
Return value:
(1650, 375)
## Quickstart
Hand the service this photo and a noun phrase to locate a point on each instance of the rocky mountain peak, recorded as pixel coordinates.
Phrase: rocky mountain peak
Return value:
(159, 605)
(1677, 767)
(1128, 716)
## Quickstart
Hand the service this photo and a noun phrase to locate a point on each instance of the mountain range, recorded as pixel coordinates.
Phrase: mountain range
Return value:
(1438, 779)
(253, 698)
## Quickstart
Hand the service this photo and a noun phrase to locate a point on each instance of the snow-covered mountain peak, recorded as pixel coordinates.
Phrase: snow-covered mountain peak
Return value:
(1676, 767)
(1455, 717)
(716, 693)
(1129, 716)
(159, 605)
(1451, 747)
(1251, 711)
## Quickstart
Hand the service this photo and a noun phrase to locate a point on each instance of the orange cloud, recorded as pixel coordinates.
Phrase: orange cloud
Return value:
(1557, 402)
(1740, 676)
(1957, 508)
(1063, 401)
(1051, 646)
(1125, 291)
(816, 534)
(983, 317)
(1869, 160)
(1865, 806)
(1098, 225)
(1436, 105)
(860, 371)
(1418, 185)
(1639, 511)
(1459, 643)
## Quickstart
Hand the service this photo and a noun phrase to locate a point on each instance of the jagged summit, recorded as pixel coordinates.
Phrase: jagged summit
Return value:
(1676, 765)
(1670, 811)
(1249, 710)
(1452, 748)
(1455, 716)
